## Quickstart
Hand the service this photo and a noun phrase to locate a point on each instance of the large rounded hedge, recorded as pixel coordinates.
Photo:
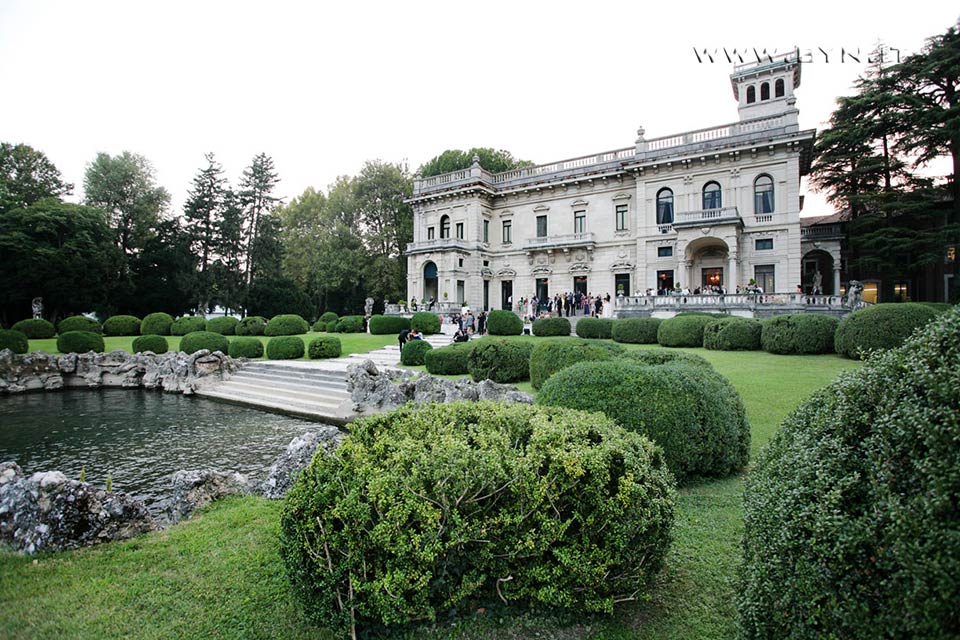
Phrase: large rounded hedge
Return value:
(156, 344)
(548, 357)
(732, 334)
(595, 328)
(385, 325)
(328, 316)
(187, 324)
(413, 352)
(320, 326)
(324, 347)
(449, 360)
(425, 322)
(348, 324)
(694, 413)
(500, 360)
(798, 334)
(122, 326)
(851, 522)
(156, 324)
(35, 328)
(16, 341)
(285, 348)
(225, 325)
(501, 322)
(288, 324)
(881, 326)
(636, 330)
(551, 327)
(424, 511)
(80, 342)
(652, 357)
(251, 326)
(245, 347)
(197, 340)
(79, 323)
(683, 330)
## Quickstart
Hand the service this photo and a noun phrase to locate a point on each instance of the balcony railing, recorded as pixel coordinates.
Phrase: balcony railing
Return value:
(437, 244)
(822, 231)
(784, 302)
(569, 240)
(723, 215)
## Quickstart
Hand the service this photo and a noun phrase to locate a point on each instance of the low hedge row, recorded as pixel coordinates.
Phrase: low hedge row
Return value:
(551, 327)
(501, 322)
(197, 340)
(156, 344)
(500, 360)
(328, 317)
(546, 358)
(288, 324)
(685, 330)
(881, 326)
(385, 325)
(285, 347)
(449, 360)
(122, 326)
(35, 328)
(425, 322)
(324, 347)
(16, 341)
(732, 334)
(653, 357)
(636, 330)
(80, 342)
(413, 352)
(187, 324)
(225, 325)
(251, 326)
(245, 347)
(798, 334)
(595, 328)
(156, 324)
(79, 323)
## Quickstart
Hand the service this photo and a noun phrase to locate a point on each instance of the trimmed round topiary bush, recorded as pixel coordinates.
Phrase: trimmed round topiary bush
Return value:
(80, 342)
(289, 324)
(636, 330)
(384, 325)
(851, 521)
(245, 347)
(225, 325)
(798, 333)
(156, 324)
(881, 326)
(653, 357)
(122, 326)
(79, 323)
(414, 351)
(501, 322)
(285, 348)
(551, 327)
(328, 317)
(683, 330)
(939, 307)
(547, 358)
(324, 347)
(574, 509)
(449, 360)
(732, 334)
(187, 324)
(348, 324)
(426, 322)
(595, 328)
(320, 326)
(251, 326)
(197, 340)
(500, 360)
(694, 413)
(16, 341)
(616, 350)
(35, 328)
(156, 344)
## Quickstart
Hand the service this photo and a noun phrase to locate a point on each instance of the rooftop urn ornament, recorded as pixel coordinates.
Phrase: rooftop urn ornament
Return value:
(37, 306)
(640, 133)
(476, 160)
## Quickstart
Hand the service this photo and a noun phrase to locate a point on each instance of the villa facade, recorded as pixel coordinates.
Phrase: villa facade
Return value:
(712, 207)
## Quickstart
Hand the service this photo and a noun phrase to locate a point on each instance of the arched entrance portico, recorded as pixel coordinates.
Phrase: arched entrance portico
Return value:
(818, 272)
(709, 263)
(430, 290)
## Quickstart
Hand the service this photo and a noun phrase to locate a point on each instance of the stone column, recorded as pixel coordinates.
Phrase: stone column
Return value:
(836, 277)
(733, 276)
(681, 274)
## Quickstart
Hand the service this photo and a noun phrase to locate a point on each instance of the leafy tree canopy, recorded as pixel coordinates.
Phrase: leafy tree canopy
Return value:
(493, 160)
(27, 176)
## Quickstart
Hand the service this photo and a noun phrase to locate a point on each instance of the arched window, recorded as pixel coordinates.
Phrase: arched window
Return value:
(665, 206)
(765, 91)
(711, 196)
(763, 195)
(751, 95)
(445, 227)
(778, 88)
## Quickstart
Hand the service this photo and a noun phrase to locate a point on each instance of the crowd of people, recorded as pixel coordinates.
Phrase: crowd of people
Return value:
(564, 305)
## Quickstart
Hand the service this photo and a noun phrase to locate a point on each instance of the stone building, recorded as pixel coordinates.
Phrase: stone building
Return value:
(718, 206)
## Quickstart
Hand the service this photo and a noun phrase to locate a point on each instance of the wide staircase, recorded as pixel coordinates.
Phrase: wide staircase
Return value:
(389, 356)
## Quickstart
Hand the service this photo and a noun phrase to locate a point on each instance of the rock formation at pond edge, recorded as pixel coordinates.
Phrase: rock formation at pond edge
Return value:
(283, 472)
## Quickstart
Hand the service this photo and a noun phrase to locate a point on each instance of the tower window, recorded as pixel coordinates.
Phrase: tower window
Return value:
(765, 91)
(763, 195)
(778, 88)
(445, 227)
(751, 95)
(665, 206)
(460, 230)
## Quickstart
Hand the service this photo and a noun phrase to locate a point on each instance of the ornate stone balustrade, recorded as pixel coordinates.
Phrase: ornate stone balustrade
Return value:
(746, 304)
(822, 231)
(707, 217)
(569, 240)
(437, 244)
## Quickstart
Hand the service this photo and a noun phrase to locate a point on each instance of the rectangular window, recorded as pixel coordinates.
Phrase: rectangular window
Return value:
(486, 231)
(460, 230)
(460, 262)
(621, 217)
(541, 226)
(507, 231)
(763, 274)
(579, 221)
(430, 233)
(664, 252)
(764, 244)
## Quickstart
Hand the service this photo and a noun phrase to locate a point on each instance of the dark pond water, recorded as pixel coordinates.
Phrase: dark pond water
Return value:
(138, 437)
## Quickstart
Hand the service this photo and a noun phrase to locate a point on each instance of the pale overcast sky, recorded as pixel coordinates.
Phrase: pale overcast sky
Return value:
(322, 87)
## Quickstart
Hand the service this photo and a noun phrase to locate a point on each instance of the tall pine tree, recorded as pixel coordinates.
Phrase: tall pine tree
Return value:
(203, 214)
(256, 200)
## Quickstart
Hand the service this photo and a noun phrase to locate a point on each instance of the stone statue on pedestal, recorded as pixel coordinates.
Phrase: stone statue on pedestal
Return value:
(37, 306)
(368, 307)
(854, 294)
(817, 282)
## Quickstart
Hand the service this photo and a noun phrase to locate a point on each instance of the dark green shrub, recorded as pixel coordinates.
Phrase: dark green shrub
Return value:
(551, 327)
(798, 333)
(320, 326)
(425, 322)
(348, 324)
(328, 317)
(156, 324)
(122, 326)
(881, 326)
(616, 350)
(251, 326)
(80, 342)
(636, 330)
(683, 330)
(939, 307)
(500, 360)
(154, 343)
(449, 360)
(577, 510)
(187, 324)
(595, 328)
(16, 341)
(35, 329)
(286, 325)
(501, 322)
(245, 347)
(732, 334)
(694, 413)
(547, 358)
(384, 325)
(851, 521)
(197, 340)
(324, 347)
(414, 351)
(285, 348)
(79, 323)
(652, 357)
(225, 325)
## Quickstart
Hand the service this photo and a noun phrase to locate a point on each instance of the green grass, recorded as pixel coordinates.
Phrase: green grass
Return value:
(220, 575)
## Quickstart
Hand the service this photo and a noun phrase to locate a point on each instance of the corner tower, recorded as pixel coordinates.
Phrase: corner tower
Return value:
(766, 88)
